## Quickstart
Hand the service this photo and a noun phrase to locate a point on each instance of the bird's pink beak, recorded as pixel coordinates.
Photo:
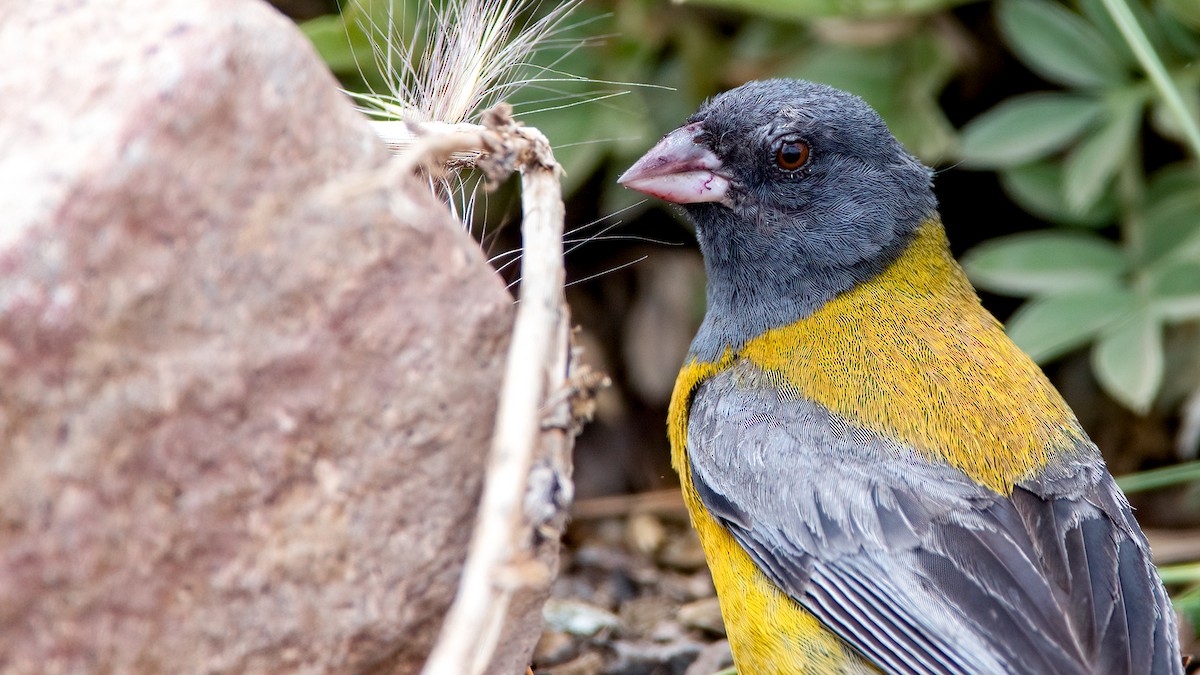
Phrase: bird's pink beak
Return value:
(679, 170)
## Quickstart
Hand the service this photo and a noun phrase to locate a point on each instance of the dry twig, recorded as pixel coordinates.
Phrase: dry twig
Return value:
(538, 362)
(667, 502)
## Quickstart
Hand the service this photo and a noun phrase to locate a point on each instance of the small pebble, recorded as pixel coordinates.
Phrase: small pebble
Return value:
(645, 533)
(644, 658)
(590, 663)
(577, 618)
(682, 552)
(640, 616)
(703, 615)
(553, 647)
(714, 658)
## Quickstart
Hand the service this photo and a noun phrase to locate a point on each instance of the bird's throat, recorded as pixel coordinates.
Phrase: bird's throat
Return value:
(754, 288)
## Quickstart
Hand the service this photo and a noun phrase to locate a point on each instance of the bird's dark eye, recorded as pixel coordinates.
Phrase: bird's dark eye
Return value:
(791, 155)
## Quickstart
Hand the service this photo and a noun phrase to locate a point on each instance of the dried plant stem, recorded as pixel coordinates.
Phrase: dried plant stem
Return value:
(537, 359)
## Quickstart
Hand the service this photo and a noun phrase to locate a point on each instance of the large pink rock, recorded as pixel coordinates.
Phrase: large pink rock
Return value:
(246, 391)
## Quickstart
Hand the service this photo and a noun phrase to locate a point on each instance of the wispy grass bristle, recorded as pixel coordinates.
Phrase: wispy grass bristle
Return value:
(445, 62)
(463, 57)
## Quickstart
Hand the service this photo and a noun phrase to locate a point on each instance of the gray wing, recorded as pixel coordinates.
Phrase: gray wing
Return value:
(914, 565)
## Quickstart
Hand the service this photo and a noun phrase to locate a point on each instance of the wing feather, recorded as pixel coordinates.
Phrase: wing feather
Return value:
(915, 566)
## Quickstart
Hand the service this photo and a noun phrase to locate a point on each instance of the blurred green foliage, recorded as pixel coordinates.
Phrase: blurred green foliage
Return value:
(798, 10)
(1121, 265)
(1074, 157)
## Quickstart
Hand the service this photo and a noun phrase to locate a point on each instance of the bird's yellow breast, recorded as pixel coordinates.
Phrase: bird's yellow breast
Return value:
(910, 354)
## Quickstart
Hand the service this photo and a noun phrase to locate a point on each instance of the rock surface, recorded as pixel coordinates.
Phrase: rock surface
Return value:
(246, 388)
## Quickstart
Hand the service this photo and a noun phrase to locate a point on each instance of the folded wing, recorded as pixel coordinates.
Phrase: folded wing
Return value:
(913, 564)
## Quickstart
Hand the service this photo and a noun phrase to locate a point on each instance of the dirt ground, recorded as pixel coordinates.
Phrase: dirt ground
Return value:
(634, 596)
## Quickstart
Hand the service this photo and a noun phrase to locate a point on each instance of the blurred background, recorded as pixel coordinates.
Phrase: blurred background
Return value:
(1066, 144)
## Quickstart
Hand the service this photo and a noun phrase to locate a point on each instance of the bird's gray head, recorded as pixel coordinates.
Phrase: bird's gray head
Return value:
(798, 191)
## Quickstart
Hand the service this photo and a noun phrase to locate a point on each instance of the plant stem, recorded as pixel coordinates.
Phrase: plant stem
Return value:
(1156, 478)
(1186, 573)
(1144, 51)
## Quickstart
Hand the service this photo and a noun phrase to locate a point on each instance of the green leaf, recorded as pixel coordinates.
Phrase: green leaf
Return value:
(810, 9)
(1097, 16)
(1025, 128)
(1153, 479)
(1045, 262)
(344, 40)
(1169, 31)
(1177, 178)
(1166, 122)
(1186, 11)
(1046, 328)
(1038, 188)
(1172, 220)
(867, 71)
(1128, 360)
(901, 80)
(1175, 290)
(1058, 45)
(333, 42)
(1188, 604)
(929, 61)
(1090, 167)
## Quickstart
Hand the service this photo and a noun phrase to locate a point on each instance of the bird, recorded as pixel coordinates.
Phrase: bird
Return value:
(881, 480)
